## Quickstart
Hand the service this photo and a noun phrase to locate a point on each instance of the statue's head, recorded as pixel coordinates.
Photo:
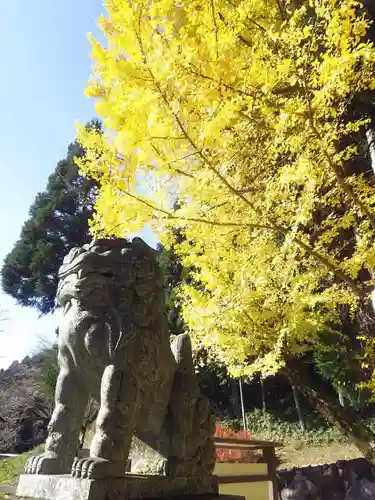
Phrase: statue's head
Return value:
(98, 272)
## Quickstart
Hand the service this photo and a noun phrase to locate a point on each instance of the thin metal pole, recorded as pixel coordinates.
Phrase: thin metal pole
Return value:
(242, 406)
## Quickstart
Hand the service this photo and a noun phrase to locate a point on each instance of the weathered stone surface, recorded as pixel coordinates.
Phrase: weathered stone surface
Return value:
(300, 487)
(344, 480)
(131, 487)
(114, 347)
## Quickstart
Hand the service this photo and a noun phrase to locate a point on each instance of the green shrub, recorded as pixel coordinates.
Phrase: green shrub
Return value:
(11, 468)
(270, 428)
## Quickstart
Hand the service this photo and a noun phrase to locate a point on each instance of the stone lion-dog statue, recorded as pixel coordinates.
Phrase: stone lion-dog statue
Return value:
(114, 347)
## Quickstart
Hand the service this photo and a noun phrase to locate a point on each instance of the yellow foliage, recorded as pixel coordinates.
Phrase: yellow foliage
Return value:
(236, 108)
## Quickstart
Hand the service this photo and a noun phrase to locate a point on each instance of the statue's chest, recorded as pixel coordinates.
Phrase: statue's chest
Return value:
(77, 323)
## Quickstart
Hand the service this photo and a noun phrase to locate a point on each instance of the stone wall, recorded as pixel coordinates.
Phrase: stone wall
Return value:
(344, 480)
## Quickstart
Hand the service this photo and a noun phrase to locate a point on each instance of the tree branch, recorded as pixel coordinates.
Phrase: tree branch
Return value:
(334, 268)
(345, 187)
(171, 216)
(281, 10)
(249, 19)
(216, 27)
(222, 84)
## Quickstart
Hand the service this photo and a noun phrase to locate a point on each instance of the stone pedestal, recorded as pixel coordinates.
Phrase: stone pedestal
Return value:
(131, 487)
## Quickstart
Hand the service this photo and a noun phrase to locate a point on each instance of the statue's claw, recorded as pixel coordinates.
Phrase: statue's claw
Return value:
(43, 464)
(29, 465)
(96, 468)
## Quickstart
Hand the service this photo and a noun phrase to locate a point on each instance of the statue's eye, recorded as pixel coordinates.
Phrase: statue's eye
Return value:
(107, 275)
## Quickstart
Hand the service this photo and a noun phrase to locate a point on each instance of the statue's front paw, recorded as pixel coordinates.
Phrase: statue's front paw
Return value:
(97, 468)
(44, 464)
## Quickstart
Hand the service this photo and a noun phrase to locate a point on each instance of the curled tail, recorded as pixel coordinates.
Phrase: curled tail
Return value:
(192, 423)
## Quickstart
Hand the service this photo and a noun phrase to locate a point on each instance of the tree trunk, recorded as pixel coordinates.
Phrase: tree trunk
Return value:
(263, 394)
(329, 408)
(370, 136)
(341, 399)
(235, 400)
(298, 407)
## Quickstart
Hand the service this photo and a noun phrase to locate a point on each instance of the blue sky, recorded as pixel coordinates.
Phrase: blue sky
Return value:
(45, 65)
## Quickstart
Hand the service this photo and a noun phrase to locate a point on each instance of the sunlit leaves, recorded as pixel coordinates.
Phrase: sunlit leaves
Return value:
(237, 109)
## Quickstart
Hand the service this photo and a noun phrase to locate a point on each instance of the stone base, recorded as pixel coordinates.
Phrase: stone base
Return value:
(131, 487)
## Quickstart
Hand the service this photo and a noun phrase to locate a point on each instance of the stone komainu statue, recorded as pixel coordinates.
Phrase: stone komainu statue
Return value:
(114, 347)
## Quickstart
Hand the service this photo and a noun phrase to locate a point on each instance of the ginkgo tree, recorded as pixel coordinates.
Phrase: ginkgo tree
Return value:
(253, 114)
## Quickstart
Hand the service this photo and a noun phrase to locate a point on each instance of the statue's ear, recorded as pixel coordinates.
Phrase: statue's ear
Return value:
(142, 245)
(72, 254)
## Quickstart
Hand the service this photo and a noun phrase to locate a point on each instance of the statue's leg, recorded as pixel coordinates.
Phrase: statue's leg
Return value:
(182, 409)
(71, 396)
(190, 424)
(114, 427)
